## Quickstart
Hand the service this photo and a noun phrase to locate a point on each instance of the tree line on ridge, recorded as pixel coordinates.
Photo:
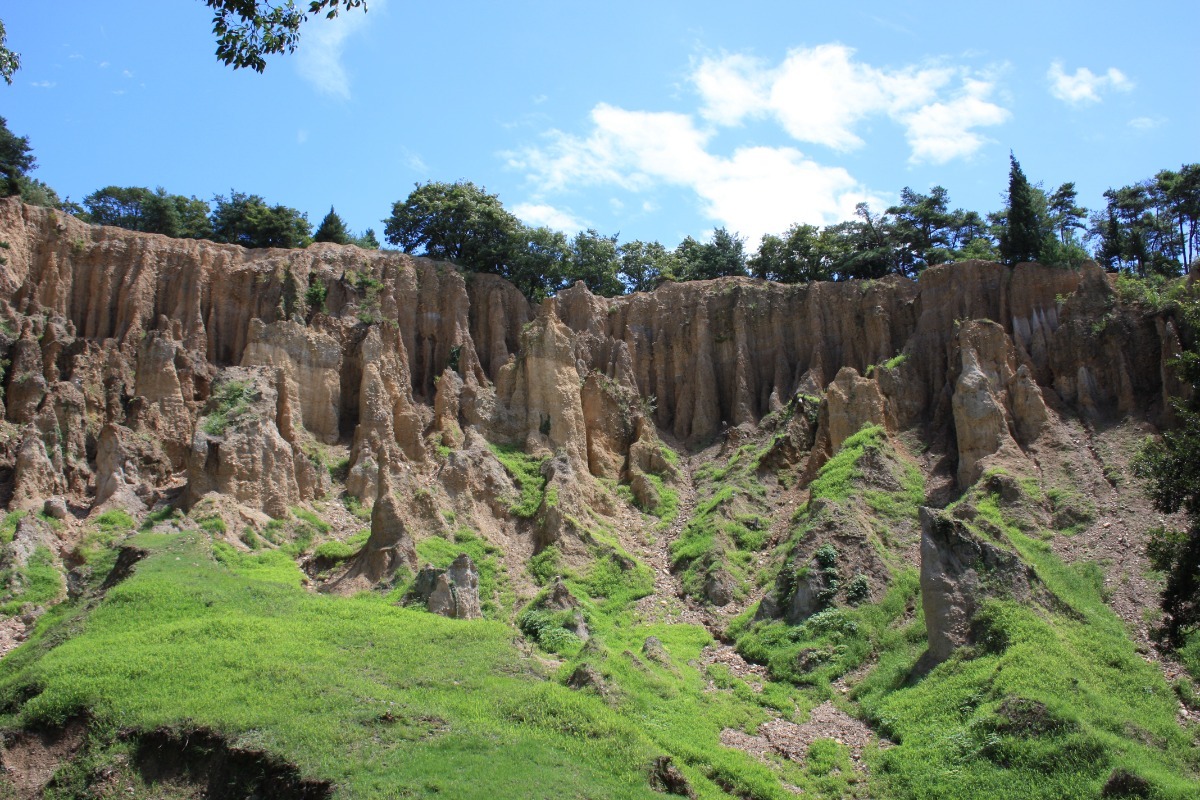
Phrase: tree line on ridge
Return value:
(1150, 228)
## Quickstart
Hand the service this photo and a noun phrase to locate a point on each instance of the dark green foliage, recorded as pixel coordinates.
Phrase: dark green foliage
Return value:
(1172, 472)
(526, 471)
(799, 256)
(333, 229)
(721, 256)
(248, 220)
(1151, 227)
(546, 629)
(1022, 235)
(595, 260)
(136, 208)
(16, 159)
(644, 265)
(315, 295)
(249, 30)
(545, 565)
(10, 62)
(367, 241)
(922, 229)
(229, 401)
(539, 261)
(457, 221)
(858, 589)
(1066, 215)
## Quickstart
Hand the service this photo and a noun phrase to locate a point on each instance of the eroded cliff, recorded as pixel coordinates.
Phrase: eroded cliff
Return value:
(796, 469)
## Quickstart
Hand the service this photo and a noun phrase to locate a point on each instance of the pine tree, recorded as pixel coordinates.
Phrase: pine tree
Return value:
(1021, 237)
(367, 241)
(333, 229)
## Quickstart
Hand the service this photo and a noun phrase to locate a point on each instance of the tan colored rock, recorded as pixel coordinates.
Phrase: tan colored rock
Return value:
(35, 477)
(388, 549)
(994, 401)
(388, 418)
(250, 460)
(165, 411)
(117, 472)
(446, 406)
(312, 362)
(538, 394)
(26, 384)
(958, 572)
(113, 326)
(645, 494)
(609, 424)
(852, 402)
(456, 591)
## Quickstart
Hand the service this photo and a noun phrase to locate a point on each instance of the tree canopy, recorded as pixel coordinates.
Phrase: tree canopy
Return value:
(249, 30)
(16, 159)
(246, 219)
(1021, 234)
(139, 209)
(10, 62)
(333, 229)
(456, 221)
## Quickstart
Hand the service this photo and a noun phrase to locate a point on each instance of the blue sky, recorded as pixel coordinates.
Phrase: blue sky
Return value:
(655, 119)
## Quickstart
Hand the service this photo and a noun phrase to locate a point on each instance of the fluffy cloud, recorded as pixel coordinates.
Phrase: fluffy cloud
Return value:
(544, 214)
(939, 132)
(755, 190)
(822, 94)
(1083, 86)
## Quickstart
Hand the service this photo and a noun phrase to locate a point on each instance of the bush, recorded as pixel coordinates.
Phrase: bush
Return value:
(230, 400)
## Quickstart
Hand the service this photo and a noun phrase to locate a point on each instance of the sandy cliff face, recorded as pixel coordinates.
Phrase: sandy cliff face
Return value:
(115, 340)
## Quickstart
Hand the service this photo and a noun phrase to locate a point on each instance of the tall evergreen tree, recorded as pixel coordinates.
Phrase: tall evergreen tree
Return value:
(1021, 237)
(367, 241)
(16, 158)
(333, 229)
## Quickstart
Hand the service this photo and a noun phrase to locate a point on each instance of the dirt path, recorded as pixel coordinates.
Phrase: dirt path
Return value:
(669, 604)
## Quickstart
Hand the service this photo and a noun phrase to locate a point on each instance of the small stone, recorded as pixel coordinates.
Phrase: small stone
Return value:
(55, 507)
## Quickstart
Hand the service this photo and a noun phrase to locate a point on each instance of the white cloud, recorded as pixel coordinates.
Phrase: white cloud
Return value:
(822, 95)
(940, 132)
(732, 87)
(319, 56)
(543, 214)
(753, 191)
(1147, 123)
(126, 73)
(44, 84)
(1083, 86)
